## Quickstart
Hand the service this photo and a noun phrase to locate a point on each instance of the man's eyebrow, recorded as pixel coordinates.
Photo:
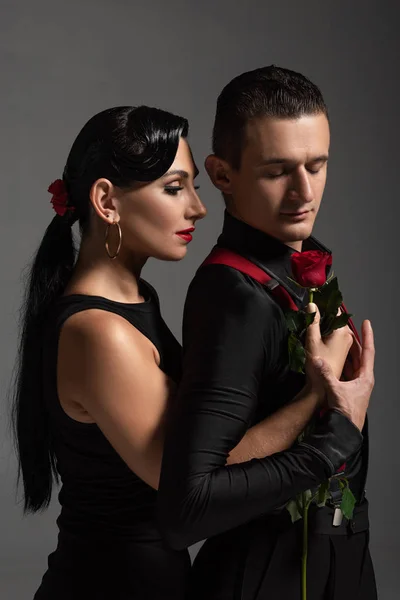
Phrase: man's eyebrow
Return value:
(284, 161)
(181, 173)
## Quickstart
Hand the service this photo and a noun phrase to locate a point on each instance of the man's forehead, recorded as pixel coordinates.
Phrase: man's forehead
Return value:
(269, 138)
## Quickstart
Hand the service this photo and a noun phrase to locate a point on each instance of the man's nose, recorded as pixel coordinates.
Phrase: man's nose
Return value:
(302, 185)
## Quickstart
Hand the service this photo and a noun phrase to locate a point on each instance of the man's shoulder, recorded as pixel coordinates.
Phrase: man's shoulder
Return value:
(227, 287)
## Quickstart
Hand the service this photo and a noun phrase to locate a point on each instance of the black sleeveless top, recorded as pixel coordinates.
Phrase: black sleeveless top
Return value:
(100, 496)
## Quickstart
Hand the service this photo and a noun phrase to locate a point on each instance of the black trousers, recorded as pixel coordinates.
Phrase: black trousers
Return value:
(262, 561)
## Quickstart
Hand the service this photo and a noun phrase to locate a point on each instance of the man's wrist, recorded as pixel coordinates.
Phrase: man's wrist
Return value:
(335, 437)
(357, 419)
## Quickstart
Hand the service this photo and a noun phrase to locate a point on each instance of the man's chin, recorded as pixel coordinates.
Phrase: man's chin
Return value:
(295, 233)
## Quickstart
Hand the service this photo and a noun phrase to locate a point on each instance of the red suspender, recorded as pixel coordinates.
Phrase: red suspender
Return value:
(222, 256)
(351, 325)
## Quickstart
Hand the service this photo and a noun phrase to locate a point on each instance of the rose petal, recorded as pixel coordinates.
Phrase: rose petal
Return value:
(309, 268)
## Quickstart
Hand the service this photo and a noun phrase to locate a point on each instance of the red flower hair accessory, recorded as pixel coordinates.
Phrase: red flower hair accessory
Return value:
(60, 197)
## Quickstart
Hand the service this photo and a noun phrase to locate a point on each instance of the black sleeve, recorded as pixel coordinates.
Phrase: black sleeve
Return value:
(230, 330)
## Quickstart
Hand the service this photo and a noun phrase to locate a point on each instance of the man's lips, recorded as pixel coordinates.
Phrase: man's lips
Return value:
(296, 213)
(296, 216)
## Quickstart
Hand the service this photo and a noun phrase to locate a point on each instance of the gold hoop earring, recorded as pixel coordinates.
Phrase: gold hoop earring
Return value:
(112, 256)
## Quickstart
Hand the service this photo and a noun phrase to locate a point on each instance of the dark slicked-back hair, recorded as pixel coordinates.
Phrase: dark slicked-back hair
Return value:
(266, 92)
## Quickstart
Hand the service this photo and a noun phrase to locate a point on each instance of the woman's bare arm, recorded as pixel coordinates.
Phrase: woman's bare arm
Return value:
(109, 370)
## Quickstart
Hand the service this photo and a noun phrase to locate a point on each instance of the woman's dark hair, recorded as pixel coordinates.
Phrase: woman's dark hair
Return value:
(266, 92)
(123, 144)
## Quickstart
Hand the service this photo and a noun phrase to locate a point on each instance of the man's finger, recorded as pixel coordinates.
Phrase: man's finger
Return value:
(313, 335)
(368, 349)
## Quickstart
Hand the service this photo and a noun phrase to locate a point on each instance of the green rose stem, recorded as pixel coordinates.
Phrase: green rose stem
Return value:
(304, 556)
(311, 294)
(305, 504)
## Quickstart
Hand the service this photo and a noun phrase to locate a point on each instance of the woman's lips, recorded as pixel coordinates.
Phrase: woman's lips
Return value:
(186, 234)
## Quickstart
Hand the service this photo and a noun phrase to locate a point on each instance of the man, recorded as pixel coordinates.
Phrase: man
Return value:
(238, 402)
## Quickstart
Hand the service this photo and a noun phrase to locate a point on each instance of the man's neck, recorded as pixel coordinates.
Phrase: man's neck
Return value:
(298, 246)
(295, 245)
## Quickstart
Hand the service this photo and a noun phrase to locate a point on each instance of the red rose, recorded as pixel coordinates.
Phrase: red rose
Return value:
(60, 197)
(309, 268)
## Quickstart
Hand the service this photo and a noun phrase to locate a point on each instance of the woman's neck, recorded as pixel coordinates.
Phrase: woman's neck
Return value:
(95, 274)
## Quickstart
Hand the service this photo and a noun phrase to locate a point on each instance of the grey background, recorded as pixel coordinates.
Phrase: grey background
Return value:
(63, 61)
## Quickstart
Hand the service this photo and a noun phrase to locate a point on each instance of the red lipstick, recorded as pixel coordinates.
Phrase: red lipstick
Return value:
(185, 234)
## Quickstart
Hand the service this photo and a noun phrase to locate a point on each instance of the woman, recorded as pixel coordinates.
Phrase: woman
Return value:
(95, 355)
(97, 362)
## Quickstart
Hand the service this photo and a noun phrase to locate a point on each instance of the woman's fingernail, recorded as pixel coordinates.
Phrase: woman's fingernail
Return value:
(312, 307)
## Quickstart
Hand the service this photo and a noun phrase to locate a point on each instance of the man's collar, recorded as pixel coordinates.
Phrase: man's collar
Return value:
(264, 250)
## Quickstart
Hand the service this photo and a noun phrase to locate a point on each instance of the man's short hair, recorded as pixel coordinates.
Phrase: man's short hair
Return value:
(266, 92)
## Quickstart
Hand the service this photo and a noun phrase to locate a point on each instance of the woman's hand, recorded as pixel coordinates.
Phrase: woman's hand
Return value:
(351, 397)
(333, 349)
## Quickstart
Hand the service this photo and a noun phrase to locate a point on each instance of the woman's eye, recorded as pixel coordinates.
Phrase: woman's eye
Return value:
(173, 189)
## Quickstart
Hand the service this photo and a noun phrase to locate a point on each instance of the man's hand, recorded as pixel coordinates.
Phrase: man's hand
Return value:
(350, 397)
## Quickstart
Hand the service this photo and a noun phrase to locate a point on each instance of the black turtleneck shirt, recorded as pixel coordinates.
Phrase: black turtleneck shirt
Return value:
(235, 373)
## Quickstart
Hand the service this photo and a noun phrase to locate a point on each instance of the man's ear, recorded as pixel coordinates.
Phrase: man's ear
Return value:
(219, 172)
